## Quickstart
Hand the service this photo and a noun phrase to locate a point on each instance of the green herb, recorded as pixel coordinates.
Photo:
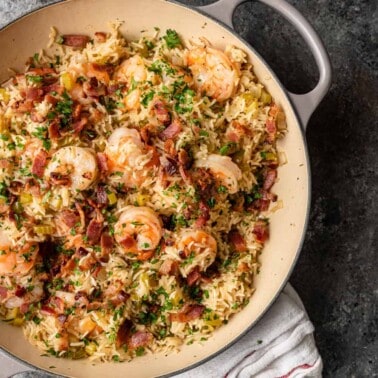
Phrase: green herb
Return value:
(224, 149)
(36, 320)
(60, 40)
(115, 358)
(203, 133)
(58, 336)
(160, 66)
(11, 146)
(34, 78)
(146, 99)
(222, 189)
(36, 57)
(211, 202)
(4, 137)
(139, 351)
(135, 265)
(150, 45)
(172, 39)
(184, 101)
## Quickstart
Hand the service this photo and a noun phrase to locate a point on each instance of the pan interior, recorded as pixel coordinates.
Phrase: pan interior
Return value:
(26, 36)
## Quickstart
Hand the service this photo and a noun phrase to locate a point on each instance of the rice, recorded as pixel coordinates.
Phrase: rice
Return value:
(135, 189)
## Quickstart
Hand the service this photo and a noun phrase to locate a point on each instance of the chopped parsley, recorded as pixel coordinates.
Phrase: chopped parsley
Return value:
(172, 39)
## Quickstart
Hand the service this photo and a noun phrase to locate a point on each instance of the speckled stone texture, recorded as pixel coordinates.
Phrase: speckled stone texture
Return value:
(336, 275)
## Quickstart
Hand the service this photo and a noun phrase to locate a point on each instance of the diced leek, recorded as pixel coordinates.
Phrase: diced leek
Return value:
(265, 97)
(141, 199)
(177, 298)
(18, 322)
(4, 95)
(26, 198)
(90, 349)
(3, 124)
(56, 203)
(43, 229)
(112, 198)
(248, 98)
(67, 81)
(270, 156)
(12, 314)
(214, 322)
(252, 106)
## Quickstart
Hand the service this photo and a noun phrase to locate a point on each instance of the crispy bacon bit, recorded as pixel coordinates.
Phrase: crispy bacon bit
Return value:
(53, 131)
(128, 242)
(23, 106)
(102, 161)
(169, 147)
(274, 110)
(170, 166)
(75, 40)
(100, 36)
(204, 214)
(193, 276)
(87, 263)
(55, 87)
(269, 179)
(237, 241)
(162, 112)
(236, 131)
(145, 134)
(47, 310)
(94, 231)
(24, 308)
(139, 339)
(79, 125)
(187, 313)
(70, 218)
(106, 243)
(34, 94)
(59, 179)
(271, 128)
(20, 291)
(184, 159)
(124, 333)
(261, 231)
(101, 196)
(68, 267)
(202, 179)
(169, 267)
(76, 112)
(41, 71)
(185, 175)
(39, 163)
(155, 158)
(3, 292)
(94, 88)
(172, 130)
(243, 267)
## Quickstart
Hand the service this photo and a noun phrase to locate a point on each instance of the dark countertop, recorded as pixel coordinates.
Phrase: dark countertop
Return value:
(336, 274)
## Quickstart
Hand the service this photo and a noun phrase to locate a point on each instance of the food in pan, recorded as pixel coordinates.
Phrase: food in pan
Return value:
(135, 186)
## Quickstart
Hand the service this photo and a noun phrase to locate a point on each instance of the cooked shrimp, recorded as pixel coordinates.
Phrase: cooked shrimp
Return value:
(200, 247)
(138, 231)
(16, 260)
(128, 157)
(213, 72)
(132, 70)
(224, 170)
(75, 167)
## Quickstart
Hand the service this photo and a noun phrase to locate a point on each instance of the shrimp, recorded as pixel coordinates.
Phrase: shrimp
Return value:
(132, 70)
(213, 72)
(224, 170)
(73, 166)
(200, 247)
(128, 157)
(138, 231)
(16, 260)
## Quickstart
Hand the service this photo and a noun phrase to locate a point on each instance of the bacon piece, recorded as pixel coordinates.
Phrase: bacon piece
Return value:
(162, 112)
(100, 36)
(53, 131)
(101, 196)
(94, 88)
(39, 163)
(204, 214)
(87, 263)
(169, 267)
(24, 308)
(187, 313)
(59, 179)
(185, 175)
(171, 131)
(139, 339)
(102, 161)
(124, 333)
(23, 106)
(274, 110)
(76, 112)
(68, 267)
(3, 292)
(261, 231)
(184, 159)
(203, 179)
(79, 125)
(169, 147)
(155, 158)
(70, 218)
(237, 241)
(20, 291)
(34, 94)
(41, 71)
(99, 72)
(270, 178)
(75, 40)
(271, 128)
(170, 166)
(106, 243)
(193, 276)
(94, 231)
(54, 87)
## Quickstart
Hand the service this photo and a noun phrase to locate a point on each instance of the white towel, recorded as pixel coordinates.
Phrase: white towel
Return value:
(281, 344)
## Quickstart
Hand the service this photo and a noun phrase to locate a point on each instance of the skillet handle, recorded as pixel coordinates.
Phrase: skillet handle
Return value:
(304, 104)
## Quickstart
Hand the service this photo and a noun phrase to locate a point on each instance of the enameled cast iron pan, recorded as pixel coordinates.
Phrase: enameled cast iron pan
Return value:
(22, 38)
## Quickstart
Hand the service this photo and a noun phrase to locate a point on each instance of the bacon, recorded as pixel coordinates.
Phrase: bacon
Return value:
(271, 128)
(99, 72)
(236, 131)
(70, 218)
(202, 179)
(261, 231)
(124, 333)
(55, 87)
(193, 276)
(270, 178)
(187, 313)
(75, 40)
(3, 292)
(169, 147)
(139, 339)
(204, 214)
(94, 88)
(76, 112)
(170, 166)
(145, 134)
(162, 113)
(184, 159)
(41, 71)
(237, 241)
(185, 175)
(23, 107)
(102, 161)
(106, 243)
(24, 308)
(94, 231)
(59, 179)
(68, 267)
(101, 196)
(169, 267)
(274, 110)
(155, 158)
(53, 131)
(171, 131)
(79, 125)
(34, 94)
(100, 36)
(87, 263)
(20, 291)
(39, 163)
